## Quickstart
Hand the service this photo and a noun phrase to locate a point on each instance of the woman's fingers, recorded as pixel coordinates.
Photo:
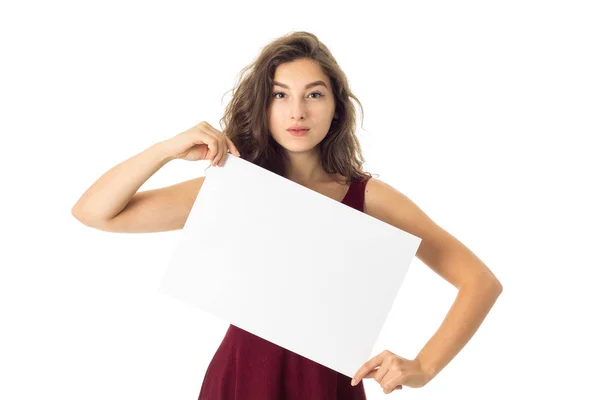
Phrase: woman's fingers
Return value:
(221, 151)
(214, 142)
(232, 147)
(224, 144)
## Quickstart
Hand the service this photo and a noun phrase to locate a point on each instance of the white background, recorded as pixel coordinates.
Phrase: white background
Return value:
(486, 114)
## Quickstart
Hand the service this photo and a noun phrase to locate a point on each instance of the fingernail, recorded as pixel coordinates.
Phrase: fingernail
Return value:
(353, 382)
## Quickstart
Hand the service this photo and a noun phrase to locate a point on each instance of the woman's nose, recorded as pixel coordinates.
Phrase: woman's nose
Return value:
(298, 109)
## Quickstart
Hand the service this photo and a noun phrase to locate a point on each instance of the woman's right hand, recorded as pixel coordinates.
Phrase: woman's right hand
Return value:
(200, 142)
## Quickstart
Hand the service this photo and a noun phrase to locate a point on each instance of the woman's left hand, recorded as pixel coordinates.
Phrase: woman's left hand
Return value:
(393, 372)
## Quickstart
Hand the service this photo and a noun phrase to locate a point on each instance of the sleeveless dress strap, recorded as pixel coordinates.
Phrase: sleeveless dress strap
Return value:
(356, 194)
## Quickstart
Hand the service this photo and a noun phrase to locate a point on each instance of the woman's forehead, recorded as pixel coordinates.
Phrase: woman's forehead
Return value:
(300, 73)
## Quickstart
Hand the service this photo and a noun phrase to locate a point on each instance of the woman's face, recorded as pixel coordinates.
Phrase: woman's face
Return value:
(293, 103)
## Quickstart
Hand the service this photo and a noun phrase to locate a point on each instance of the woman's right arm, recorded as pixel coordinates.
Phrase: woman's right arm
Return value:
(114, 204)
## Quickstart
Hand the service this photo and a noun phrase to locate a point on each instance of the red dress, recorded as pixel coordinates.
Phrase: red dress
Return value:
(247, 367)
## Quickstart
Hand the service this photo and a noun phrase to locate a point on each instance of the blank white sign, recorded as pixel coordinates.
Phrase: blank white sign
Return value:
(288, 264)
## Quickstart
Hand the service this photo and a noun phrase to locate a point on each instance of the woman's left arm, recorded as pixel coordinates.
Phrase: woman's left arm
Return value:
(477, 286)
(474, 300)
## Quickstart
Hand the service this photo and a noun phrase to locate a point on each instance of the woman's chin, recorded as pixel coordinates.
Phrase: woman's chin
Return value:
(298, 149)
(297, 144)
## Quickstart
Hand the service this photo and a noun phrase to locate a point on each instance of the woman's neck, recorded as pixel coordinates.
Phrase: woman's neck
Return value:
(306, 168)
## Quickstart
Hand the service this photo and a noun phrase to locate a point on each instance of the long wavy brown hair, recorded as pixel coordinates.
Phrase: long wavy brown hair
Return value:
(245, 120)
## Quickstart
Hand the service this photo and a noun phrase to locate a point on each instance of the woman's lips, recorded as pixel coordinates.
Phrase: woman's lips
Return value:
(298, 132)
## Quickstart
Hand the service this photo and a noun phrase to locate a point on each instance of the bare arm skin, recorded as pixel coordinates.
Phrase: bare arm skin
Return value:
(114, 204)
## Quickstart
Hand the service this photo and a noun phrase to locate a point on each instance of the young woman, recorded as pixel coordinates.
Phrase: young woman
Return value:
(291, 113)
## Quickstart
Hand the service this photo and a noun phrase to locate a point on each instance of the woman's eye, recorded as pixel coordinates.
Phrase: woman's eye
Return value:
(277, 93)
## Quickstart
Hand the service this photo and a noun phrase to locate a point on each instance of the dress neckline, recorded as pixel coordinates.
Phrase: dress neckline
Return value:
(347, 192)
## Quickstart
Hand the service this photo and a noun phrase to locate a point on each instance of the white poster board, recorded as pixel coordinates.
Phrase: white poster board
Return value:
(288, 264)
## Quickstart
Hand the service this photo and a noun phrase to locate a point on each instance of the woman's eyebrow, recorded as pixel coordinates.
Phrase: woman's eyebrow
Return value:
(315, 83)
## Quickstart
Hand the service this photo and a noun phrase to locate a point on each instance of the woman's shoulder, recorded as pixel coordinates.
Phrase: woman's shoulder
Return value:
(386, 203)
